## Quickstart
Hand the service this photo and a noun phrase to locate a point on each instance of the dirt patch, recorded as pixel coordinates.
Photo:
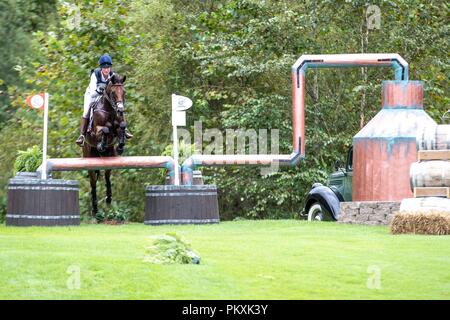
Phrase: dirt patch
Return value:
(113, 222)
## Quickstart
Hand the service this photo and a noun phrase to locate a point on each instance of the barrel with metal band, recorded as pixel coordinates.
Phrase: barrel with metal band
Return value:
(425, 204)
(37, 202)
(430, 174)
(172, 204)
(433, 167)
(433, 137)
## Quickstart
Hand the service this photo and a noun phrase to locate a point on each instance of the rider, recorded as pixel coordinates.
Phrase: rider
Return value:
(97, 85)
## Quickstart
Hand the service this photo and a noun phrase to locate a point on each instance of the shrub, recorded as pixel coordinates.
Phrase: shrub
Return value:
(3, 206)
(115, 214)
(29, 160)
(170, 248)
(100, 216)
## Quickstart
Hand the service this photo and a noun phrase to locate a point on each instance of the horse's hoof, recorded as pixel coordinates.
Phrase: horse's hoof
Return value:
(100, 147)
(120, 150)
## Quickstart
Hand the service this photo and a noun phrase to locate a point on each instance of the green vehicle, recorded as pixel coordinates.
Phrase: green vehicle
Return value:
(322, 202)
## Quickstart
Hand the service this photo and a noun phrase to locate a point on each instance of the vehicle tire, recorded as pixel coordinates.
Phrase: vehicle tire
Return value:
(316, 213)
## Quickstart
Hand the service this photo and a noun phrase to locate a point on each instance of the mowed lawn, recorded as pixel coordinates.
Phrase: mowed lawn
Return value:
(271, 259)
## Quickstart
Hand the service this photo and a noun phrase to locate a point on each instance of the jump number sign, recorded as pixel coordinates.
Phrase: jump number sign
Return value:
(179, 106)
(36, 101)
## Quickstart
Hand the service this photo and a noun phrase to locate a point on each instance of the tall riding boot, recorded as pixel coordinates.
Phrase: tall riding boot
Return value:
(83, 129)
(128, 134)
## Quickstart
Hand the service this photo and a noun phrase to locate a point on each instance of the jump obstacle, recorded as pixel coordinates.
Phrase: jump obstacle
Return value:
(53, 202)
(168, 204)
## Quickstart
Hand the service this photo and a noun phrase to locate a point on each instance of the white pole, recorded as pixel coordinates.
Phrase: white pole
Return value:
(44, 146)
(175, 155)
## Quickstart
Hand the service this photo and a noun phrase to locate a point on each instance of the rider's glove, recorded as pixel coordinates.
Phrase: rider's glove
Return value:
(100, 88)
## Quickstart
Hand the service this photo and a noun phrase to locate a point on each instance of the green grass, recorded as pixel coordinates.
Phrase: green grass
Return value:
(283, 259)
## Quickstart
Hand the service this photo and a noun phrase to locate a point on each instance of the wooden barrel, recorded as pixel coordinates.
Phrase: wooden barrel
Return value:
(433, 138)
(26, 175)
(36, 202)
(428, 204)
(434, 173)
(181, 204)
(197, 178)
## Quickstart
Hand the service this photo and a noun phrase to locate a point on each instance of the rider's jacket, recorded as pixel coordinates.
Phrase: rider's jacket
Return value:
(98, 75)
(96, 79)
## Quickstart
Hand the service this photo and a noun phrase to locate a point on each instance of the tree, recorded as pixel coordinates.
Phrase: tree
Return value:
(233, 58)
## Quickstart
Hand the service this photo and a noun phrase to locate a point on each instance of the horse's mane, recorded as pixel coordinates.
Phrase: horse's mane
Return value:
(117, 79)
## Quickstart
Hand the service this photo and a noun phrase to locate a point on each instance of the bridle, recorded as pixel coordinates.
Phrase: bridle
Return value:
(112, 115)
(114, 104)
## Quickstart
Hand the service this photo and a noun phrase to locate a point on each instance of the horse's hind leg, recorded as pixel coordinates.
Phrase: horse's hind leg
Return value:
(108, 186)
(93, 180)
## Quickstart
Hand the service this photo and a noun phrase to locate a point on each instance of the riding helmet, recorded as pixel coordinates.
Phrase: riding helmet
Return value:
(105, 61)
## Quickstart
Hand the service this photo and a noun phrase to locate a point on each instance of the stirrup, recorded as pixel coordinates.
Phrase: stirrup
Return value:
(80, 140)
(128, 134)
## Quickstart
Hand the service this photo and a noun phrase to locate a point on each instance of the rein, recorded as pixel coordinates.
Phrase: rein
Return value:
(111, 101)
(114, 106)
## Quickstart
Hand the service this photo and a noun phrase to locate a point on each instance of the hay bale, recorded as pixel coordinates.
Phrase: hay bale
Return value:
(421, 222)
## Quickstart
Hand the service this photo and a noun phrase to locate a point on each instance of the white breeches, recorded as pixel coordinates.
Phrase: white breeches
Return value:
(87, 103)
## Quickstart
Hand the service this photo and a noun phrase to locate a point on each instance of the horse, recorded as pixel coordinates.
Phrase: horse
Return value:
(106, 133)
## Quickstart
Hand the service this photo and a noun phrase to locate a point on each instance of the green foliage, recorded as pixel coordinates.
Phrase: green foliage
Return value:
(233, 58)
(238, 65)
(18, 20)
(3, 209)
(29, 160)
(100, 216)
(115, 213)
(168, 249)
(184, 150)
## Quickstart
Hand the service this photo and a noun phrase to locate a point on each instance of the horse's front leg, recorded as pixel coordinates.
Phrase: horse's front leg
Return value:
(101, 146)
(121, 134)
(93, 180)
(108, 187)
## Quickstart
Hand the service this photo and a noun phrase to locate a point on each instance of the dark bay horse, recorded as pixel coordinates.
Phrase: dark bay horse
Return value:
(106, 133)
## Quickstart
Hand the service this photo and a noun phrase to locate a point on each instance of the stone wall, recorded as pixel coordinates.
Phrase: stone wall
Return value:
(368, 212)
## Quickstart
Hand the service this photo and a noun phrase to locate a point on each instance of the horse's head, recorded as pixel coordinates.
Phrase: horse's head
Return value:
(116, 92)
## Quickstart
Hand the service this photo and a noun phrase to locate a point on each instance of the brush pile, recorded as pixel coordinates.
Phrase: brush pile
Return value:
(168, 249)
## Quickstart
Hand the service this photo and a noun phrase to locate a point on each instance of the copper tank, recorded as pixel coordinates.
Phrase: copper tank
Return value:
(385, 148)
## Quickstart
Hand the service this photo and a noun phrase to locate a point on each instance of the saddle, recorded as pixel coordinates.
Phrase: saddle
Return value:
(92, 107)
